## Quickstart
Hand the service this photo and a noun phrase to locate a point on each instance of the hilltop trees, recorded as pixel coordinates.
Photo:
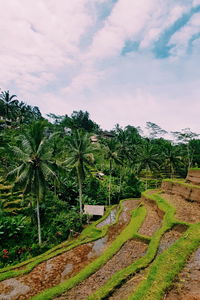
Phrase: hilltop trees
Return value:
(17, 112)
(8, 104)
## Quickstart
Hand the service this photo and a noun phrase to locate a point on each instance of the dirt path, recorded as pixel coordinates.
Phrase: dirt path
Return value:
(64, 266)
(185, 210)
(187, 286)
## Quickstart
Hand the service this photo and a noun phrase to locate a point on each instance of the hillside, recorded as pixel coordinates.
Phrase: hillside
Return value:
(147, 248)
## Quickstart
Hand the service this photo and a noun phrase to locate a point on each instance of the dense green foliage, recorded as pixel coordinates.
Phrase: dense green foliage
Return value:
(49, 170)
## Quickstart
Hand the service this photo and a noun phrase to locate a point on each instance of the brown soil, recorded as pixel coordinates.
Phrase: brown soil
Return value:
(188, 192)
(185, 210)
(187, 286)
(65, 265)
(170, 237)
(124, 219)
(193, 177)
(128, 287)
(152, 221)
(50, 272)
(128, 253)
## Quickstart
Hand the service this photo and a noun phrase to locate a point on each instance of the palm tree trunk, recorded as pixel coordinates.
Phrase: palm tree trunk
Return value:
(189, 158)
(109, 187)
(7, 111)
(120, 182)
(172, 171)
(146, 184)
(147, 171)
(80, 189)
(38, 220)
(55, 190)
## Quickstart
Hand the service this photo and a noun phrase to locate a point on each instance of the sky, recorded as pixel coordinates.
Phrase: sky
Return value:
(124, 61)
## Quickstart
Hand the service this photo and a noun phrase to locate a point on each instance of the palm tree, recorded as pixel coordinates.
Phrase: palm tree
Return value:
(9, 103)
(172, 158)
(124, 154)
(148, 158)
(34, 155)
(111, 154)
(80, 157)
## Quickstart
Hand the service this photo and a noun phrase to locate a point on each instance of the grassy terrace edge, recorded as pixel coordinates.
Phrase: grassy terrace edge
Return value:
(138, 216)
(168, 222)
(194, 169)
(89, 234)
(167, 266)
(181, 182)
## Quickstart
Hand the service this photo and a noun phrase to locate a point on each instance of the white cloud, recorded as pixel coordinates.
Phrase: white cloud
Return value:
(196, 3)
(40, 37)
(181, 38)
(164, 17)
(126, 21)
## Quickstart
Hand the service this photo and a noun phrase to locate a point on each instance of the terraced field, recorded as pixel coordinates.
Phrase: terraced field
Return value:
(146, 248)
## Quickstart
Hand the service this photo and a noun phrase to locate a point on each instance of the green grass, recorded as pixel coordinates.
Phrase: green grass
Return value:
(167, 266)
(89, 234)
(137, 219)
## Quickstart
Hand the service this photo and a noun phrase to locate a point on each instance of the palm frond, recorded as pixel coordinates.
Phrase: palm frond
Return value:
(22, 175)
(47, 171)
(19, 154)
(16, 171)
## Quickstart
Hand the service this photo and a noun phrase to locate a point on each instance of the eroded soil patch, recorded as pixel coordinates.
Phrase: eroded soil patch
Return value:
(129, 252)
(185, 210)
(187, 286)
(170, 237)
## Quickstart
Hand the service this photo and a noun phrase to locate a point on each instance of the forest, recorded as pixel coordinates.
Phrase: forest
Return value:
(50, 166)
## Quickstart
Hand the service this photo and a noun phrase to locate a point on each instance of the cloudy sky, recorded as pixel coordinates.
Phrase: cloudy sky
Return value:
(125, 61)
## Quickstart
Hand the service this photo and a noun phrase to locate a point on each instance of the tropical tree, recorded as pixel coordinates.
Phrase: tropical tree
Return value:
(185, 136)
(172, 158)
(79, 156)
(148, 158)
(110, 150)
(124, 153)
(154, 130)
(9, 103)
(35, 165)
